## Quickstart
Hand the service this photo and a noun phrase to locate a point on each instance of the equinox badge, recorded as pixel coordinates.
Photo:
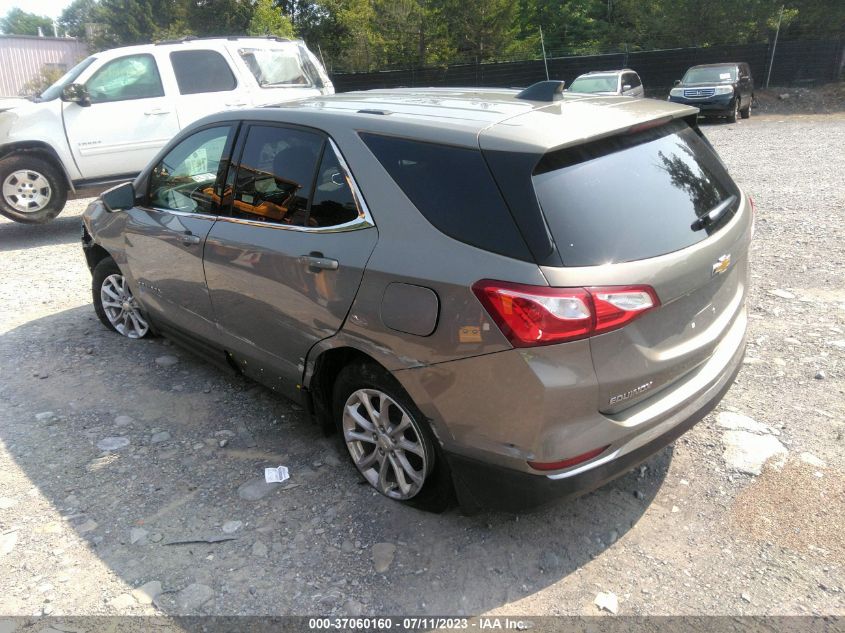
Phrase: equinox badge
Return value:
(721, 265)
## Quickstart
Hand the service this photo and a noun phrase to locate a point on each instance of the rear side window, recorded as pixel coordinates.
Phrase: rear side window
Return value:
(276, 174)
(453, 188)
(632, 197)
(201, 71)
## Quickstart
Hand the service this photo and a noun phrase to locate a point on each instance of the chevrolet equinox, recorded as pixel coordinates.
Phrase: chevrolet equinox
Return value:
(495, 296)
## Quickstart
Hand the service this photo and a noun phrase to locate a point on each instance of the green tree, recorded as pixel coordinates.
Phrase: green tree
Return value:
(19, 22)
(477, 30)
(267, 19)
(75, 16)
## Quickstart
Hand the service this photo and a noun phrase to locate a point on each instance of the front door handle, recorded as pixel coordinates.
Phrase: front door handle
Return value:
(189, 238)
(317, 262)
(157, 111)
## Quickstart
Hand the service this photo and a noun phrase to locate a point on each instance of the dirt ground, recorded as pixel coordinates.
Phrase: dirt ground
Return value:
(120, 460)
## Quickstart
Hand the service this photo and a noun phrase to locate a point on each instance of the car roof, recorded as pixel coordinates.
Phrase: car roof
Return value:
(493, 118)
(606, 72)
(198, 42)
(717, 65)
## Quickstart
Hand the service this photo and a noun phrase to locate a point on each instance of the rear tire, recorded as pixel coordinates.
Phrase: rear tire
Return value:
(389, 440)
(32, 190)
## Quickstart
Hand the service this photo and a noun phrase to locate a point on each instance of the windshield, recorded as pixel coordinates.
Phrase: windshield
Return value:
(276, 66)
(600, 83)
(711, 75)
(55, 91)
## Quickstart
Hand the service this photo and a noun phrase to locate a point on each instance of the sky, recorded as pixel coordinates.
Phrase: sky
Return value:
(50, 8)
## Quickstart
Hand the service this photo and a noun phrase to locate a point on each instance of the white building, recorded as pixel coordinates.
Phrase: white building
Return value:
(22, 58)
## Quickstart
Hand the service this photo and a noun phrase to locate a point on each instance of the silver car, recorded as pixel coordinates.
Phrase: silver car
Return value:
(496, 296)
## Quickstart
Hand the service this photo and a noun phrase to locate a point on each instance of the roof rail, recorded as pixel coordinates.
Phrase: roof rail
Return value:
(193, 38)
(543, 91)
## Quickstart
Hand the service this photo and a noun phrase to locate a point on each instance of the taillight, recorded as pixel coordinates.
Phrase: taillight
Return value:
(540, 315)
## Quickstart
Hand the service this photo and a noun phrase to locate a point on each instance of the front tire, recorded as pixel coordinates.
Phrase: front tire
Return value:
(732, 117)
(114, 304)
(745, 113)
(32, 190)
(389, 440)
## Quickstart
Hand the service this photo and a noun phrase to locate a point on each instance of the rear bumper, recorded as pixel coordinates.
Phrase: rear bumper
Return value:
(481, 484)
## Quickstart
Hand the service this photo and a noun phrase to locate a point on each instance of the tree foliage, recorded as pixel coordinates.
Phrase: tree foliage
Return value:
(20, 22)
(369, 34)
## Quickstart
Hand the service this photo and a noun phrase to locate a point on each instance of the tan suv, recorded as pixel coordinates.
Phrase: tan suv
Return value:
(508, 296)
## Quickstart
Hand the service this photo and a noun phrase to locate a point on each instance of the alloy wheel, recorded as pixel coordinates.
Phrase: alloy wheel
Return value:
(26, 191)
(121, 308)
(385, 443)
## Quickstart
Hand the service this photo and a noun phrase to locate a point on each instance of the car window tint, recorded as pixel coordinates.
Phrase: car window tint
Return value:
(185, 180)
(201, 71)
(634, 80)
(632, 197)
(453, 188)
(333, 202)
(276, 174)
(130, 77)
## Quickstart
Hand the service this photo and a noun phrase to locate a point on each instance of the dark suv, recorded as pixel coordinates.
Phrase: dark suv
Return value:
(508, 296)
(717, 90)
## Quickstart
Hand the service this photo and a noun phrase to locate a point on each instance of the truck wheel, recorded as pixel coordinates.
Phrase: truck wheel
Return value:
(32, 190)
(746, 112)
(732, 117)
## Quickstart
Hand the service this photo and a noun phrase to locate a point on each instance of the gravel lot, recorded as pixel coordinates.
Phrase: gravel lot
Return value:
(89, 531)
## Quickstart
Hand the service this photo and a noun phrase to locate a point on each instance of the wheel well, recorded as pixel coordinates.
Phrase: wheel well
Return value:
(42, 150)
(94, 254)
(326, 369)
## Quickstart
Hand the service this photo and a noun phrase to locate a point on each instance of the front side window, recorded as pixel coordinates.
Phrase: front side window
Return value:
(276, 175)
(275, 67)
(201, 71)
(130, 77)
(633, 80)
(186, 179)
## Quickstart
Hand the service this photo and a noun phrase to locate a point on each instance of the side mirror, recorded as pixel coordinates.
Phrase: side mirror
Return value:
(76, 93)
(626, 87)
(677, 82)
(119, 198)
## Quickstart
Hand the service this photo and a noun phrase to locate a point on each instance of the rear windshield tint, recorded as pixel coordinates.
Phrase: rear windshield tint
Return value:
(453, 188)
(632, 197)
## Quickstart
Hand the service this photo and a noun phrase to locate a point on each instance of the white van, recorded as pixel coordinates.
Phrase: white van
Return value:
(104, 120)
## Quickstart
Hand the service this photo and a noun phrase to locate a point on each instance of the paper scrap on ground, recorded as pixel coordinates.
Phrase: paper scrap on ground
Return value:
(276, 475)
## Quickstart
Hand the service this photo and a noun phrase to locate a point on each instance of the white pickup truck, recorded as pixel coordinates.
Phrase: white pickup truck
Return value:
(104, 120)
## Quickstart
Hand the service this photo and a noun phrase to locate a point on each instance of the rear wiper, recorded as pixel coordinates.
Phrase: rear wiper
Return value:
(714, 214)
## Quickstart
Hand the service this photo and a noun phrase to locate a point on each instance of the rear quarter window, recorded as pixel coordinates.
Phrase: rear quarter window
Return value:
(453, 188)
(632, 197)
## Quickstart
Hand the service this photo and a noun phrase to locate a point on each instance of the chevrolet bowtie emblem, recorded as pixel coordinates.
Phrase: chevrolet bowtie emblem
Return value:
(721, 265)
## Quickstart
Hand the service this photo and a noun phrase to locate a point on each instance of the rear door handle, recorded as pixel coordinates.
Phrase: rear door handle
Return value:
(316, 262)
(189, 239)
(157, 111)
(237, 104)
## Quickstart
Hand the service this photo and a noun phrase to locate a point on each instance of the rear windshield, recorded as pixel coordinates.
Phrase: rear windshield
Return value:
(634, 196)
(274, 67)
